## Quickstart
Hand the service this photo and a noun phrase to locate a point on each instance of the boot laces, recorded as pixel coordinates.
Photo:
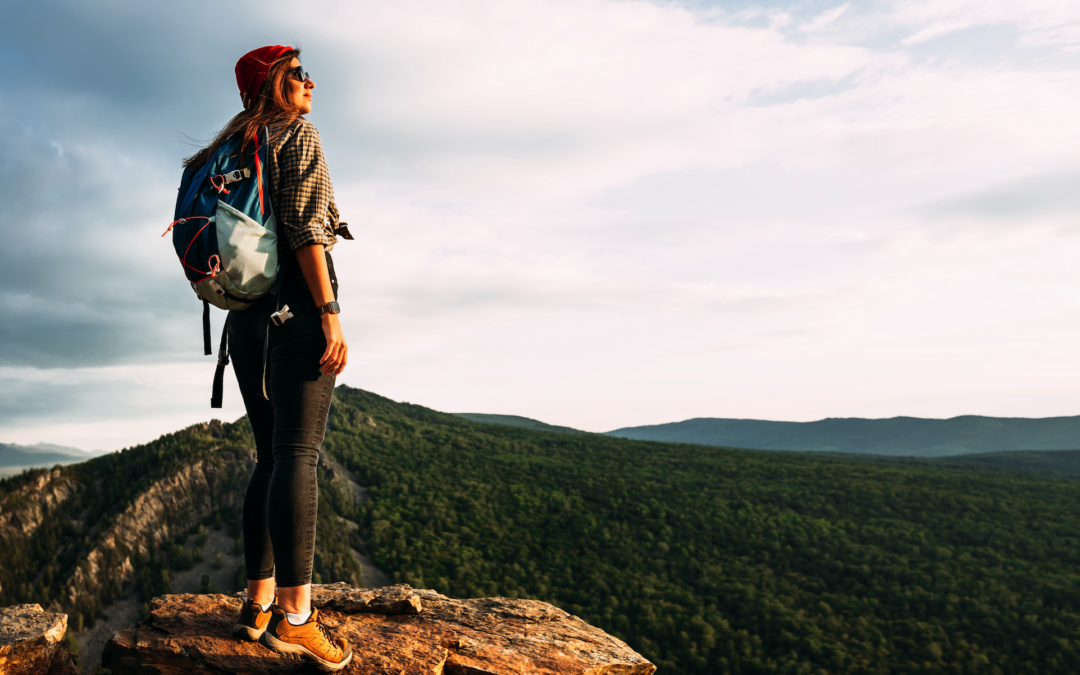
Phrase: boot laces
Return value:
(325, 630)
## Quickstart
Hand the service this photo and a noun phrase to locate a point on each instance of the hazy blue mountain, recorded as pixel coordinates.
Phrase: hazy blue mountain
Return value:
(907, 436)
(517, 421)
(15, 458)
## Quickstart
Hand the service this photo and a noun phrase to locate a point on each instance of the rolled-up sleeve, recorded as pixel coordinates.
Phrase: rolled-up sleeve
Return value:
(302, 194)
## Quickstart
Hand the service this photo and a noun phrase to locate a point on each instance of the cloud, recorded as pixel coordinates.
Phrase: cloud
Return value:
(463, 111)
(1042, 23)
(33, 396)
(81, 275)
(556, 98)
(544, 183)
(1029, 201)
(824, 19)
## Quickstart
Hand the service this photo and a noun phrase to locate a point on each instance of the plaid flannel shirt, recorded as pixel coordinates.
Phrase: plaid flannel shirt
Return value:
(300, 188)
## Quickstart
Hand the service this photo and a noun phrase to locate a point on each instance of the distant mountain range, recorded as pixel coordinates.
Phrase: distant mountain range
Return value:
(896, 436)
(775, 561)
(15, 458)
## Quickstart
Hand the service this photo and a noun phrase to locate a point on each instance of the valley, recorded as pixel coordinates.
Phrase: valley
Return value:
(701, 558)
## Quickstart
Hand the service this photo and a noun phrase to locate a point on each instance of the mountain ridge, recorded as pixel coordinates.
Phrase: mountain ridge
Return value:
(701, 558)
(15, 458)
(517, 421)
(895, 436)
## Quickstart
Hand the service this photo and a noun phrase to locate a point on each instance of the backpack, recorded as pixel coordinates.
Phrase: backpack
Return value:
(225, 236)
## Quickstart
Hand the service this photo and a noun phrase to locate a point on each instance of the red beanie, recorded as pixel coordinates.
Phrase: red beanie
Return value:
(253, 67)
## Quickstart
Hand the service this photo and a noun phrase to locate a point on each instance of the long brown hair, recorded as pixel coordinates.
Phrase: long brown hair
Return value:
(271, 107)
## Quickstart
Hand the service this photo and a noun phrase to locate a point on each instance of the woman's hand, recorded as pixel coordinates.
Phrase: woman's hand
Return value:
(312, 259)
(337, 351)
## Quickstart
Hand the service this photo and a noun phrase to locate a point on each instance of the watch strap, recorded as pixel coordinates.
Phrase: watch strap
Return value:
(330, 308)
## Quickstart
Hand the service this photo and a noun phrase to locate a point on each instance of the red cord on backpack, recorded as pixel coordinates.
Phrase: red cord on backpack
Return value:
(258, 172)
(215, 267)
(219, 188)
(181, 222)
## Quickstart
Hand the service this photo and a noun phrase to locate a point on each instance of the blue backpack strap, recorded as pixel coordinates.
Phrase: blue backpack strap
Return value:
(206, 327)
(275, 289)
(216, 393)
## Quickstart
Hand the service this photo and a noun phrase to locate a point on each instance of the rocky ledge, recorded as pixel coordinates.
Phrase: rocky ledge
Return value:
(394, 630)
(32, 642)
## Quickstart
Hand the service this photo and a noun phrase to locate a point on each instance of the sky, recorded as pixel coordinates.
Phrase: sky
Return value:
(596, 213)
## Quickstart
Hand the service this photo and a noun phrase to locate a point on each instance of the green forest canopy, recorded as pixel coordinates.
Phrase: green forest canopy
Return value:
(703, 559)
(717, 560)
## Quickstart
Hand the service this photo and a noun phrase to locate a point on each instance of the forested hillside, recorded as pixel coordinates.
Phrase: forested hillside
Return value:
(78, 537)
(711, 560)
(706, 560)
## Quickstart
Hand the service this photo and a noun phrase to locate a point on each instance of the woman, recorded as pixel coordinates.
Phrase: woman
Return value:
(303, 356)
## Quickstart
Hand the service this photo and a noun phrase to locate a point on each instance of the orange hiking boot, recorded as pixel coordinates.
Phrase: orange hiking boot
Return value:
(252, 622)
(310, 640)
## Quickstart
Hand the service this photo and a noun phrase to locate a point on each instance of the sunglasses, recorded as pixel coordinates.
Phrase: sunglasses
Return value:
(300, 74)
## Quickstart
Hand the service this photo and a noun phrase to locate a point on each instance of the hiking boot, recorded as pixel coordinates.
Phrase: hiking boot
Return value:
(252, 622)
(310, 640)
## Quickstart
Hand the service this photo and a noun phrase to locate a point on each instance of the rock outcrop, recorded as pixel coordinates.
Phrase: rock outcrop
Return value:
(22, 511)
(168, 507)
(32, 642)
(395, 629)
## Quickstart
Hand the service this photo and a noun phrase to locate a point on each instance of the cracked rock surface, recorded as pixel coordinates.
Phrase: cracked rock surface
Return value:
(32, 642)
(393, 630)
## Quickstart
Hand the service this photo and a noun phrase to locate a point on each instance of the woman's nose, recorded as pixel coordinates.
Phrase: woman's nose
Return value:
(309, 83)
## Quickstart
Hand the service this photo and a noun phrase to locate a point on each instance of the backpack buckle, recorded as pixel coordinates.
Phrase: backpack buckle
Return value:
(281, 316)
(233, 176)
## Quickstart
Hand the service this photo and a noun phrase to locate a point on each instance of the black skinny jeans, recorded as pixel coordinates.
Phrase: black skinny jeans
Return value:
(282, 501)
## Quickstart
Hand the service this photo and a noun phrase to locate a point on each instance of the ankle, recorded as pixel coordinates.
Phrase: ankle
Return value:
(298, 618)
(293, 609)
(294, 599)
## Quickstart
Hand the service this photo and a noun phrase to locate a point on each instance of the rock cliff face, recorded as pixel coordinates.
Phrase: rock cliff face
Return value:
(170, 506)
(33, 502)
(393, 630)
(31, 642)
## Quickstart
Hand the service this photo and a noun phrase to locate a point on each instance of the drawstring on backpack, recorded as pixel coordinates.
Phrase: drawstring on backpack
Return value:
(213, 263)
(219, 188)
(258, 171)
(178, 222)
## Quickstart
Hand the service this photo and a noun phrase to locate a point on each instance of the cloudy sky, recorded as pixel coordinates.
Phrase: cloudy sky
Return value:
(597, 213)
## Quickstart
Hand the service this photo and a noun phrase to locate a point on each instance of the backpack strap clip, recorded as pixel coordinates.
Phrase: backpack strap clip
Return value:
(239, 174)
(231, 177)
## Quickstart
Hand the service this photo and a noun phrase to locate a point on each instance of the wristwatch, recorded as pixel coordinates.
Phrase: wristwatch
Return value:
(330, 308)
